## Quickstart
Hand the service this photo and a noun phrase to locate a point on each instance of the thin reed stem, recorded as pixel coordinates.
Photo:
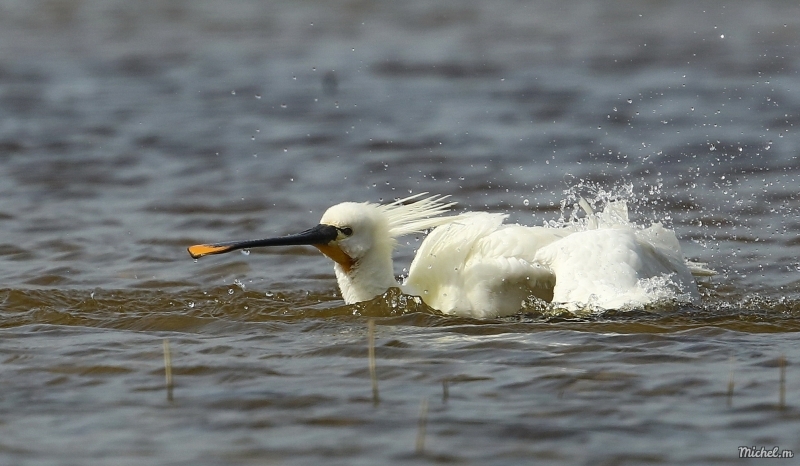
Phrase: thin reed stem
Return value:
(372, 371)
(782, 382)
(730, 384)
(423, 421)
(168, 369)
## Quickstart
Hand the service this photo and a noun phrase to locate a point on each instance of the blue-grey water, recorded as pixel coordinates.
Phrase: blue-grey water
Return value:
(131, 130)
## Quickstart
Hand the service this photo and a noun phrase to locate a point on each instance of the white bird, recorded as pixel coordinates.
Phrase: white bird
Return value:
(472, 264)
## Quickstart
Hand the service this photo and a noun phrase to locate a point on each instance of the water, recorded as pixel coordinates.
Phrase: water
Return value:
(130, 130)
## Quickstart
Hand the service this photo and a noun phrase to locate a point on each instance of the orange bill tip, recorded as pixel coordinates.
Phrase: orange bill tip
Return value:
(200, 250)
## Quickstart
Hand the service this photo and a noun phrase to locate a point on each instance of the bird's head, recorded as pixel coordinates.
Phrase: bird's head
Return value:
(361, 228)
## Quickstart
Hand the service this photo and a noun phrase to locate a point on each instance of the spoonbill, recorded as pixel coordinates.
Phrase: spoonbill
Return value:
(472, 264)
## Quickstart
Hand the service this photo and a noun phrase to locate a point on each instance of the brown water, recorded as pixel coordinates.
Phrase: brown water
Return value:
(130, 130)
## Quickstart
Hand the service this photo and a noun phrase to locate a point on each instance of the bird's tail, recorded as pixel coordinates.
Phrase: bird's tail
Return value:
(700, 269)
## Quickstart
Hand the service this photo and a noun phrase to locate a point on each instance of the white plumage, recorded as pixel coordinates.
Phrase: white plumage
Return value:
(472, 264)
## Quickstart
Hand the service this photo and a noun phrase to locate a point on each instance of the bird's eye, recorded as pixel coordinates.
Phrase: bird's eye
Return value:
(347, 231)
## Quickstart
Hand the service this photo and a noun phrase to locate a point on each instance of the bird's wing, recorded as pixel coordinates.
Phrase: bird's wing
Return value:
(479, 267)
(501, 271)
(436, 271)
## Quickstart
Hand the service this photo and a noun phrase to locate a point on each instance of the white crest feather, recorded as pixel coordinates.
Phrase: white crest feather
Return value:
(418, 216)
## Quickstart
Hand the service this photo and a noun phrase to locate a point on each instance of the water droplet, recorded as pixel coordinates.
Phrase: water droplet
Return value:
(284, 105)
(526, 202)
(722, 36)
(270, 294)
(191, 304)
(246, 252)
(230, 290)
(630, 101)
(233, 92)
(258, 96)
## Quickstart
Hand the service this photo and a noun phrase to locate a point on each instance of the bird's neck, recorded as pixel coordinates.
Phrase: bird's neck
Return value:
(371, 276)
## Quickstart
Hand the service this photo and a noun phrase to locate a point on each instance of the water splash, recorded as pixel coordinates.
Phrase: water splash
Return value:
(590, 206)
(599, 199)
